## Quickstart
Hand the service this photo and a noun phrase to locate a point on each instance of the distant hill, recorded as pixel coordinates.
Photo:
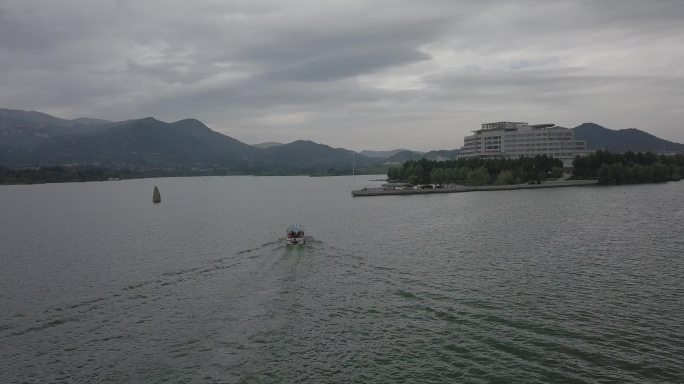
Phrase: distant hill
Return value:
(384, 154)
(267, 144)
(623, 140)
(439, 155)
(29, 139)
(145, 143)
(24, 129)
(403, 156)
(303, 156)
(17, 116)
(89, 121)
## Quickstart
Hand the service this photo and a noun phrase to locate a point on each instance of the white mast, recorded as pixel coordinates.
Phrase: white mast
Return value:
(353, 169)
(354, 164)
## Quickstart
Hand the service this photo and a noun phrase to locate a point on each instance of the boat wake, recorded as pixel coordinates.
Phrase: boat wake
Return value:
(280, 244)
(139, 293)
(272, 245)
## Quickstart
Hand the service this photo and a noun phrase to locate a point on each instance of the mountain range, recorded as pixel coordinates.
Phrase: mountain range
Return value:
(623, 140)
(29, 139)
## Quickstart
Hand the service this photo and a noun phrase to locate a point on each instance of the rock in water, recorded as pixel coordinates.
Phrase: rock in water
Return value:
(156, 197)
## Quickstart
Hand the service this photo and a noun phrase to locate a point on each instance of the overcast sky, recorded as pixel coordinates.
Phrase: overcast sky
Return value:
(379, 74)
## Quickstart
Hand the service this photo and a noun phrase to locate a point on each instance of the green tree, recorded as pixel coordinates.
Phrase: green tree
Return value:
(438, 176)
(505, 178)
(480, 176)
(604, 174)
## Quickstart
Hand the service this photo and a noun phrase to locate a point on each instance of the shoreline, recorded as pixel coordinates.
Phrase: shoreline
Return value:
(380, 191)
(74, 178)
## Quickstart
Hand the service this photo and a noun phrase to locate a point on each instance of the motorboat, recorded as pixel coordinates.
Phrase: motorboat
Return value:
(295, 235)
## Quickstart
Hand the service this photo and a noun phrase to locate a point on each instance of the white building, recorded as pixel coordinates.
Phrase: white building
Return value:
(512, 140)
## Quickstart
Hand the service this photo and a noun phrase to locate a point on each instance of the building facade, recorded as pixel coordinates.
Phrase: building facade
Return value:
(515, 139)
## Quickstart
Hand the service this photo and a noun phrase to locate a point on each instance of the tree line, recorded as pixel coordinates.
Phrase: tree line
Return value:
(629, 167)
(68, 174)
(477, 171)
(607, 167)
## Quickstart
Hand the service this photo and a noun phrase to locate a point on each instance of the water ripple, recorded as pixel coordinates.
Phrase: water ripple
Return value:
(479, 288)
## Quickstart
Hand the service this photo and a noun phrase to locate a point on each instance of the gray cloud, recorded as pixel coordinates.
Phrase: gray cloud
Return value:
(338, 65)
(418, 74)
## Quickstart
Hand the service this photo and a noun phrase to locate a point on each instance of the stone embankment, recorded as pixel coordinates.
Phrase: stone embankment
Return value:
(381, 191)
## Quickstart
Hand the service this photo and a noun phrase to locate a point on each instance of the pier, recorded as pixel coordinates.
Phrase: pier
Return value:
(382, 191)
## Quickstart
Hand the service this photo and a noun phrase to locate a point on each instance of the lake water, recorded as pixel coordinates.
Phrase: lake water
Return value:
(576, 285)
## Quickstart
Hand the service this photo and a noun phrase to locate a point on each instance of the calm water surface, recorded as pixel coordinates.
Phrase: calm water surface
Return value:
(577, 285)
